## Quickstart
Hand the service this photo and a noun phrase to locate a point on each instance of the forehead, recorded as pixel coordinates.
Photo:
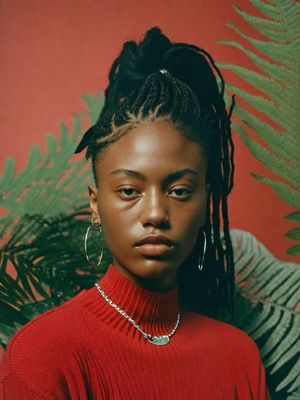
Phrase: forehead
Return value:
(152, 148)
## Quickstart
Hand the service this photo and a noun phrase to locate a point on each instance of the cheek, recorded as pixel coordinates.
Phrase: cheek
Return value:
(194, 216)
(116, 224)
(192, 222)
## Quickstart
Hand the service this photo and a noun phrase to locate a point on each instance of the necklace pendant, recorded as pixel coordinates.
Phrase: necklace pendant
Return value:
(159, 340)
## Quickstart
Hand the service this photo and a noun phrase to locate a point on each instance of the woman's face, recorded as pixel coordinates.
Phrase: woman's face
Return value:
(151, 202)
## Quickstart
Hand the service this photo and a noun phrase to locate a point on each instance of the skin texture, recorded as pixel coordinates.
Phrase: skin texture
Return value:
(140, 192)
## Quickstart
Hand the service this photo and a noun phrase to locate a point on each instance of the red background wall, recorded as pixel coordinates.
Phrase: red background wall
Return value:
(54, 51)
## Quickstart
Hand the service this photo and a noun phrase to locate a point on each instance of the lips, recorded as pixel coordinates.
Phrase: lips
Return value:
(155, 246)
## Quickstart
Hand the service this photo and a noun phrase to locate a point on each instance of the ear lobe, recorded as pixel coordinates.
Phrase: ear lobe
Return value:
(93, 193)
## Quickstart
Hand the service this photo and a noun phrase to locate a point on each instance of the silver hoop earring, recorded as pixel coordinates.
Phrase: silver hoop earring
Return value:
(201, 259)
(98, 227)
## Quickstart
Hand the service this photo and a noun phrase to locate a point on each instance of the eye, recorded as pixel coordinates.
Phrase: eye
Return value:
(128, 193)
(181, 193)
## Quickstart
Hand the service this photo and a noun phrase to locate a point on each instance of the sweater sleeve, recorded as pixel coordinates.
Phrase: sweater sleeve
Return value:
(243, 357)
(12, 388)
(25, 376)
(31, 365)
(255, 376)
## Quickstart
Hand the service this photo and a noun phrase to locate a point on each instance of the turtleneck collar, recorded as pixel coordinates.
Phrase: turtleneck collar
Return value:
(156, 313)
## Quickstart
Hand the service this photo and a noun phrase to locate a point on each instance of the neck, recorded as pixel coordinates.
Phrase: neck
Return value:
(158, 285)
(156, 313)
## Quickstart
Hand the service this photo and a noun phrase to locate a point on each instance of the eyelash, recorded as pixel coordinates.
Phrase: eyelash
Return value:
(183, 196)
(187, 192)
(123, 190)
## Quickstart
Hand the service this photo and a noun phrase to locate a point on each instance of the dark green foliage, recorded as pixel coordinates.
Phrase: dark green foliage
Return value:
(42, 269)
(43, 228)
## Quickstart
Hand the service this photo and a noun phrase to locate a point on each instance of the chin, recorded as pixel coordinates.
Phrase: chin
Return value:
(155, 269)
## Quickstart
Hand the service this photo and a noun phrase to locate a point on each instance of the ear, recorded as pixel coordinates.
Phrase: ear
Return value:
(93, 193)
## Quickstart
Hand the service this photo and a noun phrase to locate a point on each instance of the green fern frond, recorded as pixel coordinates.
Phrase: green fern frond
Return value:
(294, 250)
(270, 28)
(44, 201)
(34, 271)
(274, 139)
(50, 184)
(275, 51)
(95, 103)
(9, 173)
(272, 111)
(261, 82)
(295, 217)
(276, 71)
(267, 9)
(279, 165)
(273, 320)
(271, 114)
(285, 192)
(294, 234)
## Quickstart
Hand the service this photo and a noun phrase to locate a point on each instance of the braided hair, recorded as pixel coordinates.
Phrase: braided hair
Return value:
(177, 82)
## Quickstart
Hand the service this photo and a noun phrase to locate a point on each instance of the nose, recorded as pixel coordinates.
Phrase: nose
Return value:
(155, 210)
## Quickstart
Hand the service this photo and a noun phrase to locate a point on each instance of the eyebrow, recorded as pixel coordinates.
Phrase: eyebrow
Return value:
(170, 178)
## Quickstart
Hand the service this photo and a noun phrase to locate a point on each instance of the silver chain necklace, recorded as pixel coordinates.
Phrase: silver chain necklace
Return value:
(157, 340)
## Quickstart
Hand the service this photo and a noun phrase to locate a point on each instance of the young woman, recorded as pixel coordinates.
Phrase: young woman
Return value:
(162, 158)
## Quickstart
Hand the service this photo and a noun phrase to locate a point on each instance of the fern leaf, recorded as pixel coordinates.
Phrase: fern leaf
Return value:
(278, 334)
(8, 174)
(275, 321)
(286, 290)
(294, 250)
(272, 111)
(279, 88)
(293, 234)
(292, 378)
(277, 72)
(42, 181)
(267, 9)
(275, 51)
(272, 321)
(295, 217)
(257, 80)
(257, 22)
(270, 28)
(279, 166)
(274, 139)
(51, 146)
(293, 349)
(95, 103)
(285, 192)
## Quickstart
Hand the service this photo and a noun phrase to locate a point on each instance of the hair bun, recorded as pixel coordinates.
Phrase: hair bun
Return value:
(152, 49)
(137, 61)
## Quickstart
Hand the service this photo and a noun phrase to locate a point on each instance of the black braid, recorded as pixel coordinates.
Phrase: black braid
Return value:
(191, 96)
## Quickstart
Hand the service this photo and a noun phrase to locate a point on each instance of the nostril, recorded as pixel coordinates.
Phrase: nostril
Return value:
(155, 218)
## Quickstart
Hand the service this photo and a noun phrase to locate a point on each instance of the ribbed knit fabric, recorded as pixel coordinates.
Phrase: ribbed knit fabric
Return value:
(85, 349)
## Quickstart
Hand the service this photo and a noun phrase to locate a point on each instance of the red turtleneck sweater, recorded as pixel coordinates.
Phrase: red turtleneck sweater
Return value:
(85, 349)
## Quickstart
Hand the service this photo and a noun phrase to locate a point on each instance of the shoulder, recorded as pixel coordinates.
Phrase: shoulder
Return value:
(232, 351)
(37, 346)
(226, 337)
(49, 326)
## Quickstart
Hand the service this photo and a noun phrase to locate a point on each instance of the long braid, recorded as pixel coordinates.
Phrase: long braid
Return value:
(191, 96)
